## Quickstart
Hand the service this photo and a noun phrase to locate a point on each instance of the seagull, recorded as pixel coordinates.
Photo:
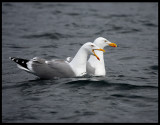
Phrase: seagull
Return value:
(94, 67)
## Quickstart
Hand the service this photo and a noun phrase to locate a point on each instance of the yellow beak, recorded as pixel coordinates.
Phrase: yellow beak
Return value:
(113, 44)
(100, 49)
(95, 53)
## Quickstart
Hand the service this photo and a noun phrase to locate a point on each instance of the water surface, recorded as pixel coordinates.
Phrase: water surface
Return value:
(128, 92)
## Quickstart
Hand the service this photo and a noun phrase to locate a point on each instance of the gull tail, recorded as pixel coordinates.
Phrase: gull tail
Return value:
(21, 63)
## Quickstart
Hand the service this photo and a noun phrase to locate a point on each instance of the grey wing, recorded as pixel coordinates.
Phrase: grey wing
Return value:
(61, 68)
(52, 69)
(90, 69)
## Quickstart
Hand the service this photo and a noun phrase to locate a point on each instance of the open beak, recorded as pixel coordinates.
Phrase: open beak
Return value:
(95, 53)
(113, 44)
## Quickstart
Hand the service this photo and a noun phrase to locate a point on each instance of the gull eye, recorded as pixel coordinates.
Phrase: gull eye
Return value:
(105, 40)
(92, 45)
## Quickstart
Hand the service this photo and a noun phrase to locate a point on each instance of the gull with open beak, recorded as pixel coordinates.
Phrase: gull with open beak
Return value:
(56, 68)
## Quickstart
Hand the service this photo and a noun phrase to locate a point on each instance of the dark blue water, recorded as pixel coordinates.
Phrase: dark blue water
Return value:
(128, 92)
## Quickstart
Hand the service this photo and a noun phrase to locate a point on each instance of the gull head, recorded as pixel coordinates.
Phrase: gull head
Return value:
(103, 42)
(91, 47)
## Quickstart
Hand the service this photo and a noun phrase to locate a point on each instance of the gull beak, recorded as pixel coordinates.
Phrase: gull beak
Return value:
(95, 53)
(113, 44)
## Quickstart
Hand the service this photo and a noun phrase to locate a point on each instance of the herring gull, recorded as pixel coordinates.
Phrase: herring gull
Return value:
(94, 67)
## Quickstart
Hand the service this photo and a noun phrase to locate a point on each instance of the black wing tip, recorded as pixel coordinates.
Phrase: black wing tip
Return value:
(17, 58)
(12, 58)
(20, 61)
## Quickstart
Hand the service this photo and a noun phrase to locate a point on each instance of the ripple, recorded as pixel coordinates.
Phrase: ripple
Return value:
(128, 58)
(89, 113)
(56, 12)
(104, 83)
(124, 86)
(49, 46)
(119, 15)
(132, 96)
(150, 24)
(14, 46)
(133, 30)
(141, 77)
(73, 14)
(153, 73)
(19, 47)
(7, 4)
(154, 67)
(47, 36)
(121, 76)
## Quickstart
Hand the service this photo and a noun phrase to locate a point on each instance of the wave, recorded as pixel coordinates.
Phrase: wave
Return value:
(83, 81)
(73, 14)
(105, 83)
(150, 24)
(131, 30)
(18, 47)
(47, 36)
(132, 96)
(121, 29)
(128, 58)
(154, 67)
(119, 15)
(49, 46)
(7, 4)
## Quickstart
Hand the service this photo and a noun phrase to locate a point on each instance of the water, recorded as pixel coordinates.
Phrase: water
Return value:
(128, 92)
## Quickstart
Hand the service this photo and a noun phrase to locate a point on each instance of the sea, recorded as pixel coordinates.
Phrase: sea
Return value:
(56, 30)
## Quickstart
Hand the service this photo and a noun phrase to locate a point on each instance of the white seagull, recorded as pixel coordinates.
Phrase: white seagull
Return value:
(94, 67)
